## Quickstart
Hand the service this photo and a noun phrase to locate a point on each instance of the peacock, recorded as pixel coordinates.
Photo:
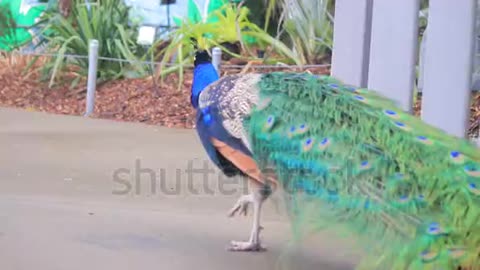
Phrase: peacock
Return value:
(409, 192)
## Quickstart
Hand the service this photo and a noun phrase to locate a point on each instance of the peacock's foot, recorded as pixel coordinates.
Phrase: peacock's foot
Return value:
(241, 205)
(253, 244)
(250, 246)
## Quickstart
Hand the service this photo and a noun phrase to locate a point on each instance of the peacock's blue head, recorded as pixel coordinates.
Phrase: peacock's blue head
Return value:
(203, 74)
(201, 57)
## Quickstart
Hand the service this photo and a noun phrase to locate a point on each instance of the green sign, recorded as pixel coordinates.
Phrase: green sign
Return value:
(24, 14)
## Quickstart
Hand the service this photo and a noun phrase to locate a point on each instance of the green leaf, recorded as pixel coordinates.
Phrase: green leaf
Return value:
(60, 58)
(107, 23)
(194, 14)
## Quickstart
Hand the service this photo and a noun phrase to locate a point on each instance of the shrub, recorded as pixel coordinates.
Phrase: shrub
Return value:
(105, 21)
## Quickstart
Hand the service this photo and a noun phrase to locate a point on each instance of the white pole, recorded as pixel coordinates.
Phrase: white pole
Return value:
(393, 50)
(352, 25)
(92, 76)
(217, 59)
(448, 63)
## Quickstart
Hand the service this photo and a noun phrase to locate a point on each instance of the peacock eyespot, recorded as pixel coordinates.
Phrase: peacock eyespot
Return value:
(428, 255)
(435, 229)
(457, 157)
(269, 124)
(390, 113)
(424, 140)
(333, 85)
(307, 145)
(474, 189)
(404, 198)
(291, 131)
(365, 165)
(359, 98)
(472, 171)
(302, 129)
(401, 125)
(324, 143)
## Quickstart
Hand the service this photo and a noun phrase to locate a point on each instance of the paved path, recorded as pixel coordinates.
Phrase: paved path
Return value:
(61, 207)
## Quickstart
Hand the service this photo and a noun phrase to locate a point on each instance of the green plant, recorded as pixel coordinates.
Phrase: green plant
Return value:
(309, 28)
(179, 51)
(231, 25)
(105, 21)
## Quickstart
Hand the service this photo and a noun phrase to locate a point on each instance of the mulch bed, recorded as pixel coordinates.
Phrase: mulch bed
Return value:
(132, 100)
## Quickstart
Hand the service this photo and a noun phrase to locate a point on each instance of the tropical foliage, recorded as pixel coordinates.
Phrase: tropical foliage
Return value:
(293, 32)
(104, 21)
(309, 26)
(231, 25)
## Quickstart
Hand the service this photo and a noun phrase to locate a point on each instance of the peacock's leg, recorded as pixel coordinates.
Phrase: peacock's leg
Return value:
(253, 244)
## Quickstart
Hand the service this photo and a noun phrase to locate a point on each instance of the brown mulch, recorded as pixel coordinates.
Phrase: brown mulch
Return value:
(124, 100)
(136, 100)
(132, 100)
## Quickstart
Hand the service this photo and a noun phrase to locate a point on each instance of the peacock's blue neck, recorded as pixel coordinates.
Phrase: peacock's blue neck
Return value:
(203, 75)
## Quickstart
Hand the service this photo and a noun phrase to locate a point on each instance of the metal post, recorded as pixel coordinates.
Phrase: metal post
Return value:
(92, 76)
(87, 4)
(168, 16)
(217, 59)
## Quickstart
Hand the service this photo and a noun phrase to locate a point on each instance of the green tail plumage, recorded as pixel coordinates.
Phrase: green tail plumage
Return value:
(409, 190)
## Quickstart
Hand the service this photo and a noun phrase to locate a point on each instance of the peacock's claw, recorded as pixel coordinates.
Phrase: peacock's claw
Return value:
(246, 246)
(241, 206)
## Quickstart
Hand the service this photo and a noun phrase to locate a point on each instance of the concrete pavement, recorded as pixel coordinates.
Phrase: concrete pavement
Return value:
(78, 193)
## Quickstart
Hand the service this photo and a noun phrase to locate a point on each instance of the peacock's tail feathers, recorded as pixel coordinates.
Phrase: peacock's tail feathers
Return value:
(409, 189)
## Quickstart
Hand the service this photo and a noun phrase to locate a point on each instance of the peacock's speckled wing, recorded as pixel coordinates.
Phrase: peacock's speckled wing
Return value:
(223, 105)
(410, 191)
(233, 97)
